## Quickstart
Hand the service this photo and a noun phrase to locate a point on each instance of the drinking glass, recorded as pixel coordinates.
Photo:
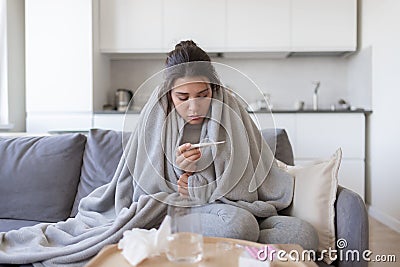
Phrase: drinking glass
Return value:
(185, 243)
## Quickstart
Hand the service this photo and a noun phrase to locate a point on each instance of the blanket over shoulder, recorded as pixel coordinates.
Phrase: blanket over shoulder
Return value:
(242, 172)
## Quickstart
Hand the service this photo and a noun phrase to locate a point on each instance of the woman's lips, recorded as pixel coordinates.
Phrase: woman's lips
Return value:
(194, 118)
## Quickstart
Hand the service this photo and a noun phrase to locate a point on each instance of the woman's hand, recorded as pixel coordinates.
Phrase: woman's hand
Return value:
(186, 158)
(183, 184)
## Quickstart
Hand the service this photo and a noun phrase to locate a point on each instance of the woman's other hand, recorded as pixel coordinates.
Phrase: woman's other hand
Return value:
(186, 158)
(183, 184)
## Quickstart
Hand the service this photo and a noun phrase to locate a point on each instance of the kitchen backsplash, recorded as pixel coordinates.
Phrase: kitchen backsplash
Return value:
(286, 80)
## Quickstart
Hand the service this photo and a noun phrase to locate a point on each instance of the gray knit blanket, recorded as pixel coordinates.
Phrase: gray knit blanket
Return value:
(242, 172)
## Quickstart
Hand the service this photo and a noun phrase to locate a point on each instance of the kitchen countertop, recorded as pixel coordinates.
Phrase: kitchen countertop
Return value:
(360, 110)
(116, 112)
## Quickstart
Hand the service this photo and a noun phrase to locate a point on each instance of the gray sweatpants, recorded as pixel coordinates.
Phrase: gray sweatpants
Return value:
(222, 220)
(288, 230)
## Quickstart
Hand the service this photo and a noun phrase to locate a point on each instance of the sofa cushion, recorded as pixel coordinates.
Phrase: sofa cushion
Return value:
(39, 176)
(102, 154)
(12, 224)
(283, 150)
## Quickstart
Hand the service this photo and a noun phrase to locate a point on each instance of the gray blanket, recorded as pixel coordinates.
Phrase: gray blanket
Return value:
(242, 172)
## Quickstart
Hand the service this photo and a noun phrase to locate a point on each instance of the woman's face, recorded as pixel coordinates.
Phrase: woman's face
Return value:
(191, 97)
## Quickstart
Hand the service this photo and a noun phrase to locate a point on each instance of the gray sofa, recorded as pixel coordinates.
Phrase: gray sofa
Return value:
(42, 179)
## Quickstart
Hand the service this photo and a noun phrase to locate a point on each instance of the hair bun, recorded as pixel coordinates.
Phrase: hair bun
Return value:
(187, 43)
(184, 52)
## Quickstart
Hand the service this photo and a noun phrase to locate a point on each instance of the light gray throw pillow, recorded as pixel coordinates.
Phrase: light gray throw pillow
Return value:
(39, 176)
(102, 154)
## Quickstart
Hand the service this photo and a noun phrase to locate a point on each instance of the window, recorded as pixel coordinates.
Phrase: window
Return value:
(4, 123)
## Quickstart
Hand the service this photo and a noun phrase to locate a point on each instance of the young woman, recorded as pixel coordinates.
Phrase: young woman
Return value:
(192, 88)
(238, 183)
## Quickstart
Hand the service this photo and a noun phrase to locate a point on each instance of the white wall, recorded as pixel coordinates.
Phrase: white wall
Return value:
(286, 80)
(101, 64)
(3, 65)
(359, 81)
(16, 64)
(289, 80)
(380, 32)
(130, 74)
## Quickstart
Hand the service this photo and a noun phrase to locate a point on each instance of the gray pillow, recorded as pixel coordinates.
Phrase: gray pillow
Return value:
(39, 176)
(102, 154)
(283, 150)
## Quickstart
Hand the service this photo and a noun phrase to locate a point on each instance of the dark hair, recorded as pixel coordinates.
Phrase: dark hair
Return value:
(188, 52)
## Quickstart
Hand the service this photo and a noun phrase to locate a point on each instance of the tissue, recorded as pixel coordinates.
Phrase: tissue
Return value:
(140, 244)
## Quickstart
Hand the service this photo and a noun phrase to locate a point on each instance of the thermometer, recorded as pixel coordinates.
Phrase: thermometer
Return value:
(200, 145)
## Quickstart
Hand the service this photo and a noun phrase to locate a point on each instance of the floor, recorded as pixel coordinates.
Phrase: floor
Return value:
(383, 241)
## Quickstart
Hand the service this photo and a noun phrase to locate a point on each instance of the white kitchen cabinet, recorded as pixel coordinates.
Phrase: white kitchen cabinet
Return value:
(59, 76)
(131, 26)
(156, 26)
(258, 25)
(316, 136)
(201, 21)
(117, 122)
(230, 26)
(328, 25)
(322, 134)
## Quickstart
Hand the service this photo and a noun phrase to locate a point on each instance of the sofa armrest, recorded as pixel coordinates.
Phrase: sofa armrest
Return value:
(351, 225)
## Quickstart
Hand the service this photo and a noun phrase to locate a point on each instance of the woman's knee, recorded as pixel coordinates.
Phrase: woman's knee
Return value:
(244, 226)
(224, 220)
(286, 229)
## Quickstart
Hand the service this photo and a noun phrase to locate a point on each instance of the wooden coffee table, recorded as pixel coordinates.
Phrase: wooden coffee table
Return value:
(217, 252)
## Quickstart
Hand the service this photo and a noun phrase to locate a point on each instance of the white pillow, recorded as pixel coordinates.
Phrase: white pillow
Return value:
(314, 197)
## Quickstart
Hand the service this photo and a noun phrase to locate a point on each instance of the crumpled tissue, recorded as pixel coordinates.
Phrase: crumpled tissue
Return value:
(139, 244)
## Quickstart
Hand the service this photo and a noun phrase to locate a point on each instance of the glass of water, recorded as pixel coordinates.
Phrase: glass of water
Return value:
(185, 243)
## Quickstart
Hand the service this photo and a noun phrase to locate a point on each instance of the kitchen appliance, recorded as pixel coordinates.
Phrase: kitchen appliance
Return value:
(122, 98)
(315, 95)
(264, 102)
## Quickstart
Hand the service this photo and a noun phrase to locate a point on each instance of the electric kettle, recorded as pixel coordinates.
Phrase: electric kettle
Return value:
(122, 98)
